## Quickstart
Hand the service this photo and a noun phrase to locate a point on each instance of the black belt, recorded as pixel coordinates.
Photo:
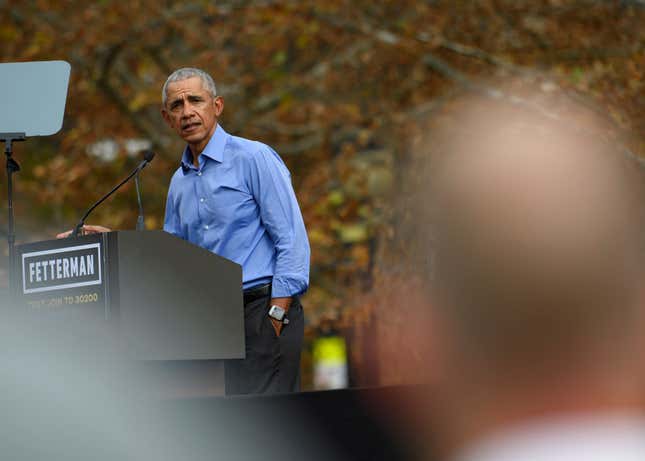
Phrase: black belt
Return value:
(256, 292)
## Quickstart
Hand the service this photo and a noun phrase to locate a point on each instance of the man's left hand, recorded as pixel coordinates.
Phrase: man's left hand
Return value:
(284, 303)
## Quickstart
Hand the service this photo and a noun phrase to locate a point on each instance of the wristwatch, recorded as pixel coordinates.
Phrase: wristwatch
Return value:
(278, 313)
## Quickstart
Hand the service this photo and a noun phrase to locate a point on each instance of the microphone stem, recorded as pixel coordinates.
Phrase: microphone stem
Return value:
(80, 224)
(140, 219)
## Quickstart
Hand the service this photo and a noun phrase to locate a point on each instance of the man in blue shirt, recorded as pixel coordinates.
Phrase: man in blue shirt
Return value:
(234, 197)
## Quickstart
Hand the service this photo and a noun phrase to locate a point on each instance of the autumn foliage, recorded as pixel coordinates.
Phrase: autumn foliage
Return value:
(343, 90)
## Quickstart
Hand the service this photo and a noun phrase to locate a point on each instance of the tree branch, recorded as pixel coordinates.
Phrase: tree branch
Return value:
(302, 145)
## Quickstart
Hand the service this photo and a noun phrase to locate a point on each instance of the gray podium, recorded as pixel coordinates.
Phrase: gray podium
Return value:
(177, 309)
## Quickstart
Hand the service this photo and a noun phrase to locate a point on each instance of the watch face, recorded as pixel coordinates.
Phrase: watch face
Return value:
(276, 312)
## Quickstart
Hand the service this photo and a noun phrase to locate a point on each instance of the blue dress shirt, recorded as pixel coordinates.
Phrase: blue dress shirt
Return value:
(239, 204)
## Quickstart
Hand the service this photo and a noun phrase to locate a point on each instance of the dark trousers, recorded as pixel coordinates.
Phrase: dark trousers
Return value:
(272, 363)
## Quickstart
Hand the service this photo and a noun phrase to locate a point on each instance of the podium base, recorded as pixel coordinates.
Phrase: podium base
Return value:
(184, 378)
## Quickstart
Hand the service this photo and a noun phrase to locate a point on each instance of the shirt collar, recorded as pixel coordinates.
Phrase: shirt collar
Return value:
(213, 150)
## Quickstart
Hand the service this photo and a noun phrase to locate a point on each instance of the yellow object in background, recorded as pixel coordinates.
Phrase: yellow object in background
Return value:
(330, 362)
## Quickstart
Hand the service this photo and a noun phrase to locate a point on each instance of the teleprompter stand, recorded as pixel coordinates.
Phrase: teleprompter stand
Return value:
(12, 167)
(33, 96)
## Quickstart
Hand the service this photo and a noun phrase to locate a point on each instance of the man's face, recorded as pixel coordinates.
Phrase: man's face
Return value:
(192, 111)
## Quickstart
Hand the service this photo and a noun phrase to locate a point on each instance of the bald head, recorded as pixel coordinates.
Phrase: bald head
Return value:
(537, 240)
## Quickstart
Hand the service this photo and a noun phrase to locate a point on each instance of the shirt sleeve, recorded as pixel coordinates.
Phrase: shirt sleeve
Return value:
(171, 219)
(270, 184)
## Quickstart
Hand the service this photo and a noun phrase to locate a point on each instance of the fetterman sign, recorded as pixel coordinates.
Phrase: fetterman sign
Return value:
(63, 274)
(60, 268)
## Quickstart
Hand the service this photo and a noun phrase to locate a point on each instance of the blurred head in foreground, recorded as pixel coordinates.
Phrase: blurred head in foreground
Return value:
(537, 265)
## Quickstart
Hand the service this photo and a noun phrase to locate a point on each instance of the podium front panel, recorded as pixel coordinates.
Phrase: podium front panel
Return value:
(63, 275)
(177, 301)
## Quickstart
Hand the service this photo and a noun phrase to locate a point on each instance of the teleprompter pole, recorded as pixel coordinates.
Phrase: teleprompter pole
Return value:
(23, 86)
(12, 167)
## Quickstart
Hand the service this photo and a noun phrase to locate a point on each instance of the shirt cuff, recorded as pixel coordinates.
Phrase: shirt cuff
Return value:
(285, 287)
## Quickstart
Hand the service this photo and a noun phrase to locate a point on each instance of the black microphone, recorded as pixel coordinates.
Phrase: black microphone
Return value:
(147, 158)
(148, 155)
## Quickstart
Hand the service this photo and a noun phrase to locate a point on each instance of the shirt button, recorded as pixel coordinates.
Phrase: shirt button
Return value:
(202, 200)
(199, 173)
(206, 227)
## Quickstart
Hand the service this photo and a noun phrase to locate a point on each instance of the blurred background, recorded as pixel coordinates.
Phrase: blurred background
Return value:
(344, 91)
